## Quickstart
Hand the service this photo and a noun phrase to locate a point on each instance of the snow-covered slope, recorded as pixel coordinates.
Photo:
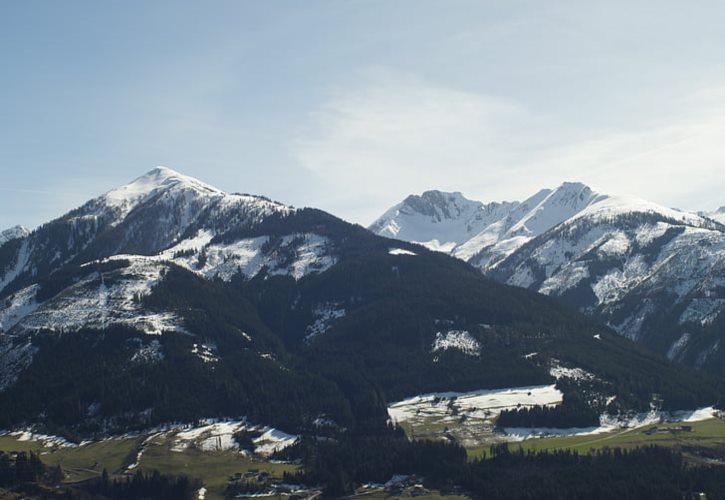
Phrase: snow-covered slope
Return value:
(159, 211)
(653, 273)
(99, 296)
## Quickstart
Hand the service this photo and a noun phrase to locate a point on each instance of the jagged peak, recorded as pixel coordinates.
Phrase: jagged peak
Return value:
(440, 197)
(573, 186)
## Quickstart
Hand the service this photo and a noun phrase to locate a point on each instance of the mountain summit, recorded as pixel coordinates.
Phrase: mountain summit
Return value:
(438, 220)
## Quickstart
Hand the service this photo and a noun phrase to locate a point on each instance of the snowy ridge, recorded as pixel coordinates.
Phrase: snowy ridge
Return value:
(13, 233)
(477, 232)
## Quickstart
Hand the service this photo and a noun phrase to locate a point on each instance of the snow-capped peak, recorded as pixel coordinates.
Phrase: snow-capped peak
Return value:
(13, 233)
(557, 206)
(437, 219)
(158, 179)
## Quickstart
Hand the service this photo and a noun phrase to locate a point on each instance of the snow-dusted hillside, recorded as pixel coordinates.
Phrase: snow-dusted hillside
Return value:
(653, 273)
(99, 297)
(164, 213)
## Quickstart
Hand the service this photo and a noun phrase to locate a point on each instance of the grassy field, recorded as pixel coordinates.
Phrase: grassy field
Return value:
(88, 461)
(705, 435)
(83, 462)
(11, 443)
(212, 467)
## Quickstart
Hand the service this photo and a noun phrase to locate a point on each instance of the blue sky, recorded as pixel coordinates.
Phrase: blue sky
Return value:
(351, 105)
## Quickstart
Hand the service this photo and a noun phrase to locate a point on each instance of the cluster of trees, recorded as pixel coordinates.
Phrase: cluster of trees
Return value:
(20, 468)
(153, 485)
(86, 383)
(641, 473)
(573, 412)
(340, 465)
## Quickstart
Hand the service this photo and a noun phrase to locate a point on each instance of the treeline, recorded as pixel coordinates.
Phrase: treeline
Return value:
(153, 486)
(641, 473)
(21, 468)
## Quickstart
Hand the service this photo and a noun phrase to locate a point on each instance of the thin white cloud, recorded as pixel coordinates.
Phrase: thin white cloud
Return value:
(392, 135)
(678, 159)
(395, 135)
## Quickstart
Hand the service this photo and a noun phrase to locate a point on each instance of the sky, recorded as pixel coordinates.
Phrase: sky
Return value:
(350, 106)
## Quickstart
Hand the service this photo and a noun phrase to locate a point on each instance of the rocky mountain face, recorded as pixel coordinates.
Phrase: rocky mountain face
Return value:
(653, 274)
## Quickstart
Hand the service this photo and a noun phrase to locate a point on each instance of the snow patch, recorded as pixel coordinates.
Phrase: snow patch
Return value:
(460, 340)
(400, 251)
(325, 315)
(205, 352)
(44, 440)
(484, 404)
(273, 440)
(678, 346)
(558, 372)
(219, 436)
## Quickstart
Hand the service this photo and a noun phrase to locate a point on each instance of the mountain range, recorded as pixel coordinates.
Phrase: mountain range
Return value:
(653, 274)
(170, 300)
